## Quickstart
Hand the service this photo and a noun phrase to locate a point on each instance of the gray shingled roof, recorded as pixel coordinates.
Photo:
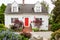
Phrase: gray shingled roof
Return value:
(26, 8)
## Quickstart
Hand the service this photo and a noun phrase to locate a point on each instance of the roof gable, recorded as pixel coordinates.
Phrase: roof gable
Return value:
(37, 3)
(14, 3)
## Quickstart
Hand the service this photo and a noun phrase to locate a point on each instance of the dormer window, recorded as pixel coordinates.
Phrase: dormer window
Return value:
(14, 7)
(37, 7)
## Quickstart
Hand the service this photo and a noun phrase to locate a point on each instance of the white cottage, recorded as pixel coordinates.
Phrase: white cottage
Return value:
(32, 15)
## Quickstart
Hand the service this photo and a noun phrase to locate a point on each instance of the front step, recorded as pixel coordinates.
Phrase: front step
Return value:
(27, 29)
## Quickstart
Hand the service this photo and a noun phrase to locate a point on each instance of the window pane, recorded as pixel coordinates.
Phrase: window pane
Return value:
(13, 19)
(14, 9)
(38, 9)
(38, 22)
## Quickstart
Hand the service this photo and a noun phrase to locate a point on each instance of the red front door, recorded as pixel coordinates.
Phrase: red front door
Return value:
(27, 28)
(26, 22)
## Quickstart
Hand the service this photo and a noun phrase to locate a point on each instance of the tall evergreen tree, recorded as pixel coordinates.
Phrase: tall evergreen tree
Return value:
(56, 11)
(2, 10)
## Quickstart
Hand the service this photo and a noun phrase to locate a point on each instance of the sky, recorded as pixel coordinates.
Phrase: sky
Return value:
(51, 6)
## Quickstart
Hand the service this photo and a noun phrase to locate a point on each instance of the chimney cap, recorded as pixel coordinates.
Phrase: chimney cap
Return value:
(23, 2)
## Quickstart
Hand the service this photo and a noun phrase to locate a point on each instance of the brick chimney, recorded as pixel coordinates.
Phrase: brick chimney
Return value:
(23, 2)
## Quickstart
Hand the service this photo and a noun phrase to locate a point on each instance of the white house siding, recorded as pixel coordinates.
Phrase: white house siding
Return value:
(30, 16)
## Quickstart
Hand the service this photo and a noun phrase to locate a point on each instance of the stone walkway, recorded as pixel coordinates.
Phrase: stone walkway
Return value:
(41, 35)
